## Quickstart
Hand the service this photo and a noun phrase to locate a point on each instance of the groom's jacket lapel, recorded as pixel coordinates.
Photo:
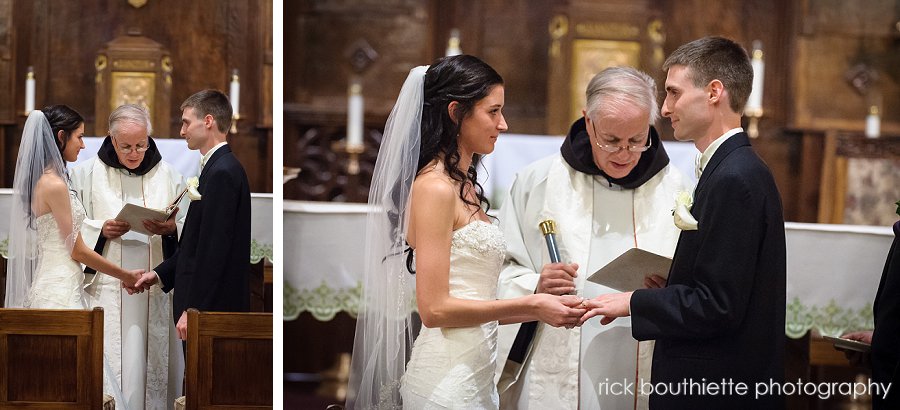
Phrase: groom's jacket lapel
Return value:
(734, 142)
(209, 165)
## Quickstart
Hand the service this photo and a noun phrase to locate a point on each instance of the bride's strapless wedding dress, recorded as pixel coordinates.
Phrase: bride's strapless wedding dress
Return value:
(453, 368)
(57, 281)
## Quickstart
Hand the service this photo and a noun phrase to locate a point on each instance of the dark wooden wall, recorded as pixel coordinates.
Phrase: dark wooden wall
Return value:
(809, 45)
(206, 39)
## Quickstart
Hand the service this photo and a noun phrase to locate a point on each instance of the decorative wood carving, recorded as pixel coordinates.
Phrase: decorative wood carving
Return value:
(133, 69)
(588, 37)
(849, 54)
(311, 143)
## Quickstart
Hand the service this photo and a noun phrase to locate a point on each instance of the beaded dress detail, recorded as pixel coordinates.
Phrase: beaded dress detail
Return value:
(453, 368)
(57, 282)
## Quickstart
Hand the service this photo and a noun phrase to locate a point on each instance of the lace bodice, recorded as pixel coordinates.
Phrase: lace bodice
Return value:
(57, 281)
(49, 238)
(453, 368)
(476, 257)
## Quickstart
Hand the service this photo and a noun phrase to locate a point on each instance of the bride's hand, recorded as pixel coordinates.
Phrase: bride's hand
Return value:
(559, 310)
(132, 277)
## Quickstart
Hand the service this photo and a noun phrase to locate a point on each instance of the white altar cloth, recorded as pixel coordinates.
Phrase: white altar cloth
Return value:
(833, 270)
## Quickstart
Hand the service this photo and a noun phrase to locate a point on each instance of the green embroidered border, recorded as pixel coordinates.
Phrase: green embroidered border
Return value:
(258, 251)
(830, 320)
(322, 302)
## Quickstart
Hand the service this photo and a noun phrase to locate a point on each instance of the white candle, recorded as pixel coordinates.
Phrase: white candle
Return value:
(453, 48)
(754, 103)
(873, 123)
(234, 93)
(355, 109)
(29, 91)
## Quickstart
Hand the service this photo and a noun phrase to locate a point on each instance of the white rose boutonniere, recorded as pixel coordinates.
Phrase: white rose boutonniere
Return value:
(193, 193)
(682, 212)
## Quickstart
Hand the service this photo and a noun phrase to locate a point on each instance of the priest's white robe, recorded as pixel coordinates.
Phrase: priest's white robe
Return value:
(596, 222)
(140, 342)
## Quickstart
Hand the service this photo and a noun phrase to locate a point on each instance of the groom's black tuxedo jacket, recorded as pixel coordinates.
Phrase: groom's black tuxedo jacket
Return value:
(211, 269)
(721, 314)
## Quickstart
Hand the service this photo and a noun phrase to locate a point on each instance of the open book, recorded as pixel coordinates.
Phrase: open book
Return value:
(135, 215)
(626, 272)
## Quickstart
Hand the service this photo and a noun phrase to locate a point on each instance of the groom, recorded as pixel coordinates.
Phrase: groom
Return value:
(720, 317)
(211, 268)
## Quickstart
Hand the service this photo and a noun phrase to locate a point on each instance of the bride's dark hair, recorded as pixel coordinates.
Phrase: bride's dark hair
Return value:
(62, 118)
(466, 80)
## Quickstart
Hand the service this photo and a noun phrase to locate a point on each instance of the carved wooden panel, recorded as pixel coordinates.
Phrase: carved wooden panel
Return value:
(850, 54)
(313, 143)
(587, 37)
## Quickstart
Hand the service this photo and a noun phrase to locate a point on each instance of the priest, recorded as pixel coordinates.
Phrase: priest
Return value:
(611, 188)
(139, 339)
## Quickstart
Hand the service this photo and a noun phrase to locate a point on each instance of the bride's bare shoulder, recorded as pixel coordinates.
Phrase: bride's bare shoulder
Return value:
(51, 182)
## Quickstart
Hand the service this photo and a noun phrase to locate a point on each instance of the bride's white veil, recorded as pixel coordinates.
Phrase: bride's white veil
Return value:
(383, 329)
(37, 153)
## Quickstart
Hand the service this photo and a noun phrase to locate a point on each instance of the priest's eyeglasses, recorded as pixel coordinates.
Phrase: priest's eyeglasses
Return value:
(128, 150)
(613, 148)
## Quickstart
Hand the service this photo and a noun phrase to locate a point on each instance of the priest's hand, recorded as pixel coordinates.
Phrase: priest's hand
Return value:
(113, 229)
(610, 306)
(162, 228)
(654, 282)
(557, 278)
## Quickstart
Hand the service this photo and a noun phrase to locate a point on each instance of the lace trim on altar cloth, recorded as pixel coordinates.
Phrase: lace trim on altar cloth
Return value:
(322, 302)
(258, 251)
(828, 320)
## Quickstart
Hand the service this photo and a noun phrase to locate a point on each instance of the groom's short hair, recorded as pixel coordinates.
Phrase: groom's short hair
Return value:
(717, 58)
(211, 102)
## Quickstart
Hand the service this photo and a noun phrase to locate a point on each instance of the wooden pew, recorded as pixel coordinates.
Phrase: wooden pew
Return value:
(229, 361)
(51, 358)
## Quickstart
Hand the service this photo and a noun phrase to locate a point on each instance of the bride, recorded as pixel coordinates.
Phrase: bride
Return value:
(424, 192)
(45, 248)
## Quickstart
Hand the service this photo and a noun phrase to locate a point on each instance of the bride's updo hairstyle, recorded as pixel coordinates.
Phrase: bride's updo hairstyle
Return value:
(62, 118)
(464, 79)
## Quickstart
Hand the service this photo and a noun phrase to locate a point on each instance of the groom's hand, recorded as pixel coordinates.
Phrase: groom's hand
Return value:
(130, 283)
(610, 306)
(113, 229)
(181, 326)
(146, 280)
